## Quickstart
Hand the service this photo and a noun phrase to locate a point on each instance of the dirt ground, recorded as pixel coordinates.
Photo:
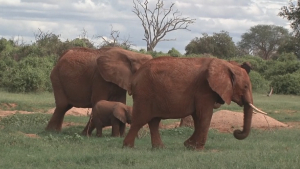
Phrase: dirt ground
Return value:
(223, 120)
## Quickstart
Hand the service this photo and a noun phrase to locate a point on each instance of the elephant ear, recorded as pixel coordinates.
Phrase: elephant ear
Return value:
(221, 78)
(117, 65)
(120, 113)
(247, 66)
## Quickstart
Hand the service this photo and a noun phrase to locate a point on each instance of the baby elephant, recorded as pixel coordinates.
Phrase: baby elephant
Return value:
(109, 113)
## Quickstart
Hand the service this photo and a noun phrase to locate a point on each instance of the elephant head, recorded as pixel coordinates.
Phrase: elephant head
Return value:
(118, 65)
(232, 83)
(123, 113)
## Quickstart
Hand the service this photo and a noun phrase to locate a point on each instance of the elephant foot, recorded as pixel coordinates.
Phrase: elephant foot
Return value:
(193, 145)
(53, 127)
(158, 146)
(127, 145)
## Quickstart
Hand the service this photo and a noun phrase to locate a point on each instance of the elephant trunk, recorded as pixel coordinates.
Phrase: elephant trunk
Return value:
(240, 135)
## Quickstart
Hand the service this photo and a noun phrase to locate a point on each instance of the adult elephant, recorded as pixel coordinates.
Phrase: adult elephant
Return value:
(84, 76)
(169, 87)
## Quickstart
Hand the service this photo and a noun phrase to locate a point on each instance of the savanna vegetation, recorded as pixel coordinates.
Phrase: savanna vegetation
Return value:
(25, 83)
(26, 67)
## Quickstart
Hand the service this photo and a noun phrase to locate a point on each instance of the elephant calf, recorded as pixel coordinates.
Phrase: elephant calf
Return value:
(108, 113)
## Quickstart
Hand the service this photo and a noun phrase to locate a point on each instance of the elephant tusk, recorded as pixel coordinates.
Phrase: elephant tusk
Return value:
(259, 111)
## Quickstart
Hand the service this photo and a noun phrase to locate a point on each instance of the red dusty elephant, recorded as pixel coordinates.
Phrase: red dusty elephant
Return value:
(168, 87)
(109, 113)
(84, 76)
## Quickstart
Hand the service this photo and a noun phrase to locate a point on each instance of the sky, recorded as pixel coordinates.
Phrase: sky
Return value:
(21, 19)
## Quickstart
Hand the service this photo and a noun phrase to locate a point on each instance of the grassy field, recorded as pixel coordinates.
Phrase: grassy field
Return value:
(25, 144)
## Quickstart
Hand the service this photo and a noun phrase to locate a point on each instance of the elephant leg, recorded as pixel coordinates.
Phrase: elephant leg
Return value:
(87, 131)
(202, 119)
(122, 129)
(202, 122)
(99, 131)
(140, 117)
(188, 142)
(57, 118)
(115, 130)
(154, 131)
(132, 133)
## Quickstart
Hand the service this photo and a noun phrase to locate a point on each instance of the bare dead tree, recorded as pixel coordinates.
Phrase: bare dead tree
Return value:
(157, 23)
(114, 40)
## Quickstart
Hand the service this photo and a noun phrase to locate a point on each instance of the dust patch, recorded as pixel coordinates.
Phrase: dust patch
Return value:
(75, 111)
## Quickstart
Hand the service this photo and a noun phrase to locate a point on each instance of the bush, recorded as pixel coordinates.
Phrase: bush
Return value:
(276, 68)
(6, 63)
(286, 84)
(173, 52)
(259, 84)
(30, 74)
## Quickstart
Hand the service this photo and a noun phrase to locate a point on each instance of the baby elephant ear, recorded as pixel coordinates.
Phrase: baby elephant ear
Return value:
(120, 113)
(221, 78)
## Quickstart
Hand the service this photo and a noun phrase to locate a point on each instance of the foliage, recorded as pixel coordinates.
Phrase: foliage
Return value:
(154, 54)
(42, 101)
(259, 84)
(281, 68)
(30, 74)
(292, 13)
(286, 84)
(219, 45)
(81, 43)
(6, 63)
(263, 40)
(285, 57)
(291, 45)
(175, 53)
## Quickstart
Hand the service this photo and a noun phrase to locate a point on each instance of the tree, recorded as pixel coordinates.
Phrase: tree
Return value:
(219, 45)
(292, 13)
(114, 40)
(157, 23)
(263, 40)
(291, 45)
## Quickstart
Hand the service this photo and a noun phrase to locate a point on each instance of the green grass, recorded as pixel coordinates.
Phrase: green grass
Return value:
(281, 107)
(27, 101)
(68, 149)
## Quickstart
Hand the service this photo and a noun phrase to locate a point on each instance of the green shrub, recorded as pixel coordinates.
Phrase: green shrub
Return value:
(284, 57)
(286, 84)
(276, 68)
(30, 74)
(6, 63)
(259, 84)
(173, 52)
